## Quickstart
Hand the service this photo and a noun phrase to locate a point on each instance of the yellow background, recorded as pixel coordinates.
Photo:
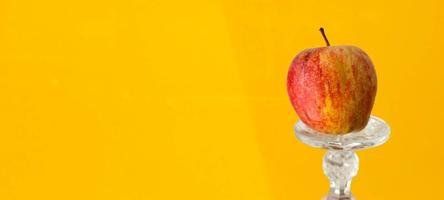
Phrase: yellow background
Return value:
(152, 99)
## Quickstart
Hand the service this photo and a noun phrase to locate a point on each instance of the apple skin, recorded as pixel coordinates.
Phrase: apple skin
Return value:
(332, 88)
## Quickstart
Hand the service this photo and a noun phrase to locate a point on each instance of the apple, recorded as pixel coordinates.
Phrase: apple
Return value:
(332, 88)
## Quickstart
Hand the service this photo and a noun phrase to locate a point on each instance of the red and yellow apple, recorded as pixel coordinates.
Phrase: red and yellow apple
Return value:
(332, 88)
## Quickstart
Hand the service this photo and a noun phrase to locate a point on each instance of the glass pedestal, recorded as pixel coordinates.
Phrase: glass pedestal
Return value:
(341, 163)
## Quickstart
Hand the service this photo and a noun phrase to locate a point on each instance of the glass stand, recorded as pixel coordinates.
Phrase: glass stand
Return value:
(341, 163)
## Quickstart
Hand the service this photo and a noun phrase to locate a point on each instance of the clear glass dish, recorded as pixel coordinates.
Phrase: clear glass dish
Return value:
(341, 163)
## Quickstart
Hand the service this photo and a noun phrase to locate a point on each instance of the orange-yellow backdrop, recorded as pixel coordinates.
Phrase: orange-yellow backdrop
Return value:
(186, 99)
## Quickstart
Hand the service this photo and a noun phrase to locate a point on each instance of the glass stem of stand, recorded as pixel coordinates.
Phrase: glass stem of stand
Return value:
(340, 167)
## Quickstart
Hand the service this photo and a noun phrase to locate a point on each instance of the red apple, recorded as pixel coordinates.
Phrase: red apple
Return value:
(332, 88)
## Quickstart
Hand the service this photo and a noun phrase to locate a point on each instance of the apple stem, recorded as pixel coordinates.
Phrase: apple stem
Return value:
(325, 37)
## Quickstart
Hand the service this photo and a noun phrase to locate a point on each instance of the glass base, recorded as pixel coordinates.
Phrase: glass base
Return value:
(327, 198)
(341, 163)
